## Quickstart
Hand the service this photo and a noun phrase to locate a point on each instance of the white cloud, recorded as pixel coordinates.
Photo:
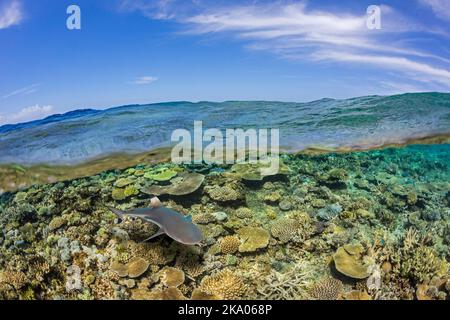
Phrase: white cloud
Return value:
(144, 80)
(293, 30)
(396, 63)
(155, 9)
(441, 8)
(27, 114)
(10, 14)
(23, 91)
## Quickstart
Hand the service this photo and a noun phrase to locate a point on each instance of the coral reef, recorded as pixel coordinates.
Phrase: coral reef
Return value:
(355, 226)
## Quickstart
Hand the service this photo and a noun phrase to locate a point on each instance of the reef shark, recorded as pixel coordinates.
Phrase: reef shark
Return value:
(175, 225)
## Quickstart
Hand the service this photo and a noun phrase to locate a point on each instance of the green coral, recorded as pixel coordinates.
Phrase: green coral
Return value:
(118, 194)
(161, 175)
(131, 191)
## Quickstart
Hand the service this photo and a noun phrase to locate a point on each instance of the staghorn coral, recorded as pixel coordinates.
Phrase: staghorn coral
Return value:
(229, 244)
(327, 289)
(170, 293)
(289, 285)
(422, 264)
(225, 285)
(356, 295)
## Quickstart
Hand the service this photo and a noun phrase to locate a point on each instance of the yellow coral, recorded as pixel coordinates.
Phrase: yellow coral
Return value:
(229, 244)
(226, 285)
(172, 277)
(203, 218)
(229, 192)
(297, 228)
(327, 289)
(284, 229)
(17, 279)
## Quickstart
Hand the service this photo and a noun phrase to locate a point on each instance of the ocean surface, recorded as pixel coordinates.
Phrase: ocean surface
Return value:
(357, 123)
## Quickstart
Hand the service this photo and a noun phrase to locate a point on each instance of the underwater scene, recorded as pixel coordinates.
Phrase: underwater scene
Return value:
(93, 208)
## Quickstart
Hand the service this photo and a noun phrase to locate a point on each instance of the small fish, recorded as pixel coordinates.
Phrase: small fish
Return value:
(175, 225)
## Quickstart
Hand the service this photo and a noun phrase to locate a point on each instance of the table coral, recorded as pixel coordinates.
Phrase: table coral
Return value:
(348, 261)
(253, 239)
(172, 277)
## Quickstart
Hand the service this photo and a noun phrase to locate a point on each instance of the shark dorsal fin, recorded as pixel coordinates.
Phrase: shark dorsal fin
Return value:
(155, 202)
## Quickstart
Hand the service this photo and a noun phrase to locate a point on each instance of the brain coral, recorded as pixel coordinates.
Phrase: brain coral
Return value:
(327, 289)
(224, 285)
(229, 244)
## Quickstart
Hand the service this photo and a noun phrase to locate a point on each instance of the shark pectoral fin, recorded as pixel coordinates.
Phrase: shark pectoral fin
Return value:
(157, 234)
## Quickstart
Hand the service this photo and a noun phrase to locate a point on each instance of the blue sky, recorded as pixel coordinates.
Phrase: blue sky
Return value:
(145, 51)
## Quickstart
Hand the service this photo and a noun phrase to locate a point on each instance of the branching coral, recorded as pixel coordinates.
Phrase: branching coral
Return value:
(229, 244)
(422, 264)
(290, 285)
(17, 279)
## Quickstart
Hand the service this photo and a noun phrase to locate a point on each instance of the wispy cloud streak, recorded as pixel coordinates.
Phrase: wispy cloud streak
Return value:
(10, 13)
(294, 30)
(23, 91)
